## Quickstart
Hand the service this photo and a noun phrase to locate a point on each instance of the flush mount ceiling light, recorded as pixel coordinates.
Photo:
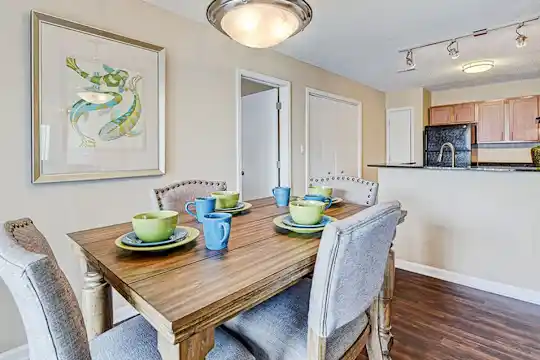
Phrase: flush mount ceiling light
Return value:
(476, 67)
(521, 39)
(259, 23)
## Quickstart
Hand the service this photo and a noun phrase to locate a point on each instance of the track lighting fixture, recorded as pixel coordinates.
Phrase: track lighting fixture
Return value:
(521, 39)
(453, 49)
(409, 61)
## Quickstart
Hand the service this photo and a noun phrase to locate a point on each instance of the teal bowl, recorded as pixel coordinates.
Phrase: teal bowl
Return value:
(155, 226)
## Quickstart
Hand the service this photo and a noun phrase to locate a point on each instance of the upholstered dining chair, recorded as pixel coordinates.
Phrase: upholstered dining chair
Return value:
(175, 196)
(326, 318)
(350, 188)
(51, 315)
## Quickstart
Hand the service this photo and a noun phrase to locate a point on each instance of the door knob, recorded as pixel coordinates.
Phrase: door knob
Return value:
(342, 171)
(329, 173)
(242, 172)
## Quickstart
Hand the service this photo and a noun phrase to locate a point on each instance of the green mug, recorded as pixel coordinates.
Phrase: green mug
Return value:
(307, 212)
(325, 191)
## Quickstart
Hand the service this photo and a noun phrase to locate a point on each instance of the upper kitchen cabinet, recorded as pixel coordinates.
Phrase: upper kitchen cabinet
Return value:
(452, 114)
(491, 121)
(522, 117)
(464, 113)
(441, 115)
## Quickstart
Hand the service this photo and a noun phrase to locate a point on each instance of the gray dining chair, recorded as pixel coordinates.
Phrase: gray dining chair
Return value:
(326, 318)
(175, 196)
(51, 315)
(350, 188)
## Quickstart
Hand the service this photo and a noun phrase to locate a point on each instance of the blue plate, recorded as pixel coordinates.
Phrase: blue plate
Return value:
(131, 239)
(239, 205)
(290, 222)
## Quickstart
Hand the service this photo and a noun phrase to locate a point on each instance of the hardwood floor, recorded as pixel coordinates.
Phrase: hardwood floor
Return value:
(437, 320)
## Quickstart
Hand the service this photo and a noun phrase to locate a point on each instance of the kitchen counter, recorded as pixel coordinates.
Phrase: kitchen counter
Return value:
(476, 225)
(494, 167)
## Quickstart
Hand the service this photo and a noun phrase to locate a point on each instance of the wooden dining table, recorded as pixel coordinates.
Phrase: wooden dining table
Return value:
(188, 292)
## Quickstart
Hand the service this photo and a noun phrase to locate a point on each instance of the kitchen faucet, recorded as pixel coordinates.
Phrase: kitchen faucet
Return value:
(452, 149)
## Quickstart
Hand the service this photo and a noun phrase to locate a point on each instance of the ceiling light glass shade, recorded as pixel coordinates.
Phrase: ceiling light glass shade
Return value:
(476, 67)
(259, 23)
(95, 97)
(454, 54)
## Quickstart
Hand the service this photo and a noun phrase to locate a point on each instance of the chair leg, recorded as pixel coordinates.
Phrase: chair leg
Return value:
(380, 316)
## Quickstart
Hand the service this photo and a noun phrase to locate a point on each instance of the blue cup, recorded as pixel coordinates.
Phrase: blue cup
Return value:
(282, 195)
(217, 229)
(203, 206)
(319, 198)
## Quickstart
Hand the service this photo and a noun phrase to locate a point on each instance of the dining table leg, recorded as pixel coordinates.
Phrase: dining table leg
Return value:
(193, 348)
(96, 303)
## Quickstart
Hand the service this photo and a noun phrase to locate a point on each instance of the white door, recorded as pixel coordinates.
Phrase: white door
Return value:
(346, 139)
(260, 148)
(399, 145)
(333, 137)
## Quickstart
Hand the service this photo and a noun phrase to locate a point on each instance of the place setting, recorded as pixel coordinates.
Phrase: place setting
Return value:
(156, 231)
(306, 215)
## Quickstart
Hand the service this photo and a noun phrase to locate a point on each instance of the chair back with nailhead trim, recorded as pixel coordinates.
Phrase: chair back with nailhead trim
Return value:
(350, 188)
(175, 196)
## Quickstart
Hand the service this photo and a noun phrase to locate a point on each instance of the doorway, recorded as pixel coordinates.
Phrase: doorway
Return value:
(263, 134)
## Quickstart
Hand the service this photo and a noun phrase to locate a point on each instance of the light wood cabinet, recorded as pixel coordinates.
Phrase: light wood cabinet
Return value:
(464, 113)
(452, 114)
(441, 115)
(491, 121)
(522, 116)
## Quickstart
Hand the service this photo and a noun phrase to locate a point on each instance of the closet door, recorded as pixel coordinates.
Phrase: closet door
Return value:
(333, 137)
(346, 138)
(321, 137)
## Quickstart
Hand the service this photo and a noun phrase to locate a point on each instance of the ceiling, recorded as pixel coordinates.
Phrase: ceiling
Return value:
(360, 39)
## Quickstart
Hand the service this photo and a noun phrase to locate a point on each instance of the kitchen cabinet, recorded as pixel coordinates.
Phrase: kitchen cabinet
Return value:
(522, 119)
(452, 114)
(464, 113)
(491, 121)
(441, 115)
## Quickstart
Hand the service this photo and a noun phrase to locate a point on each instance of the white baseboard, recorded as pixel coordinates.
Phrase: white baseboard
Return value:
(21, 353)
(510, 291)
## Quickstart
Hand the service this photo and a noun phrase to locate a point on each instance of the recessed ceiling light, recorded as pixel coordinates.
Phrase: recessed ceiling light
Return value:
(476, 67)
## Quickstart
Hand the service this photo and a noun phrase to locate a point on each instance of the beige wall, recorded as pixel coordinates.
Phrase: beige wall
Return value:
(419, 99)
(201, 71)
(486, 92)
(252, 87)
(475, 223)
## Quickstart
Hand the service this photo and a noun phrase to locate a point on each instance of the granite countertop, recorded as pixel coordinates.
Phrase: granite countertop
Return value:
(495, 167)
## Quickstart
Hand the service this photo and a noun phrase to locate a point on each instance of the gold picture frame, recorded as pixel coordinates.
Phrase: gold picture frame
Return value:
(41, 148)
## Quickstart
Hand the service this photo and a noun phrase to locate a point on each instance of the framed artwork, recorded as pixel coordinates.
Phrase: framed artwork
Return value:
(98, 103)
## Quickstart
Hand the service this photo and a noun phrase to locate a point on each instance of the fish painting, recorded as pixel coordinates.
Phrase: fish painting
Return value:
(113, 78)
(82, 108)
(112, 84)
(124, 125)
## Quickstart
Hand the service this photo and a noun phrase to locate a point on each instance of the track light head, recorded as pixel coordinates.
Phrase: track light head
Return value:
(453, 49)
(521, 39)
(409, 60)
